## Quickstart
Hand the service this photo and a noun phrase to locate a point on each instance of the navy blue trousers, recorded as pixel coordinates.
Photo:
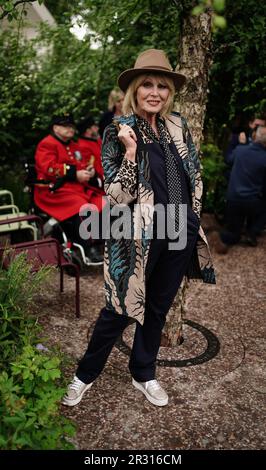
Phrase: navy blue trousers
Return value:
(164, 273)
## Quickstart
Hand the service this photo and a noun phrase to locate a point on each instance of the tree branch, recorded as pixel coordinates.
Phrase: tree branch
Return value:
(7, 12)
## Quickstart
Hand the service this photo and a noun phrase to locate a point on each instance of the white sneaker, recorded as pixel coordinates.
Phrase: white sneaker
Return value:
(152, 391)
(75, 392)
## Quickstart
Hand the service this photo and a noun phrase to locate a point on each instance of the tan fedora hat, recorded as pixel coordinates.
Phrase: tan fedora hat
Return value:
(149, 61)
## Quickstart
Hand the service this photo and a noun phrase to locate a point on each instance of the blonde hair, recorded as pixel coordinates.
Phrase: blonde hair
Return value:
(114, 96)
(130, 100)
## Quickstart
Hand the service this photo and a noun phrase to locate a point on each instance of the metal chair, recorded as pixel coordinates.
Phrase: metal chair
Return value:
(53, 227)
(46, 251)
(9, 211)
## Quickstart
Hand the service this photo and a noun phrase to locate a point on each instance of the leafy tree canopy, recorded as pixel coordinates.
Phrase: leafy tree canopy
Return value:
(75, 75)
(237, 79)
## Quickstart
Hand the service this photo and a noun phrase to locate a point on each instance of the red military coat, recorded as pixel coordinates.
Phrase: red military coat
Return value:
(92, 148)
(53, 159)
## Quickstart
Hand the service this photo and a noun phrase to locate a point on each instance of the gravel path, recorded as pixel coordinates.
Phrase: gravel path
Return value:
(217, 403)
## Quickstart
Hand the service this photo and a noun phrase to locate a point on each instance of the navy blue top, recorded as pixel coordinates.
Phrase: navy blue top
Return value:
(158, 173)
(159, 179)
(248, 175)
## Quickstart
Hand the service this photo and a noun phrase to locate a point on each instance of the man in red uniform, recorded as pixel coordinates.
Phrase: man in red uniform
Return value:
(90, 144)
(74, 181)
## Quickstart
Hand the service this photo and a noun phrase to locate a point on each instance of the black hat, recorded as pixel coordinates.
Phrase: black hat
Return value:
(85, 123)
(63, 119)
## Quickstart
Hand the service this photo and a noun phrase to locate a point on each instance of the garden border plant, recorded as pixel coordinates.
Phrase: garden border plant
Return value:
(30, 382)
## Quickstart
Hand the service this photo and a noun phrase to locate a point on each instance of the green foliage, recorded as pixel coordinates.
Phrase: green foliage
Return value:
(214, 182)
(18, 72)
(17, 288)
(29, 404)
(128, 26)
(83, 75)
(73, 66)
(30, 391)
(217, 6)
(13, 179)
(219, 22)
(237, 79)
(62, 10)
(73, 75)
(8, 8)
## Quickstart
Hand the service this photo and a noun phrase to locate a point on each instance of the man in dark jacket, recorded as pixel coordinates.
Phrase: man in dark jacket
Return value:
(242, 135)
(246, 196)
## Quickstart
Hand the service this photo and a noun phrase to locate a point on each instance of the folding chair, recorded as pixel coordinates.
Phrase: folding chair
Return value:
(10, 210)
(46, 251)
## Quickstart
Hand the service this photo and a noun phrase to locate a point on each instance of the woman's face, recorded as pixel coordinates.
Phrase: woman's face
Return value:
(151, 96)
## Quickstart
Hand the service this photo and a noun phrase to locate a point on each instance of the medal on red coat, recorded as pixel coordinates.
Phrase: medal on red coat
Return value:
(78, 155)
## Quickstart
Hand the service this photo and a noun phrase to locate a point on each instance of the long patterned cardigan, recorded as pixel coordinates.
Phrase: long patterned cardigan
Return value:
(128, 183)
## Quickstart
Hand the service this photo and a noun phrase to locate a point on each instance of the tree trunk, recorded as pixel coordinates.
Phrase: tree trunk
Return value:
(195, 62)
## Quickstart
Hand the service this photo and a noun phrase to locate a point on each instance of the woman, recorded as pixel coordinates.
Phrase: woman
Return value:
(149, 160)
(115, 102)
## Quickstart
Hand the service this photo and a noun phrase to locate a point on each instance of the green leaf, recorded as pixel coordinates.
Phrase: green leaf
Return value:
(55, 374)
(13, 419)
(219, 5)
(198, 10)
(219, 21)
(3, 442)
(30, 422)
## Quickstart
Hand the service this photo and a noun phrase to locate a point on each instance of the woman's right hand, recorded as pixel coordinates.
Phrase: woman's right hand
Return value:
(128, 137)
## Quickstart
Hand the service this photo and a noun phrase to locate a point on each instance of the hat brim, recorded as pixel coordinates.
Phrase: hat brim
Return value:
(127, 76)
(63, 123)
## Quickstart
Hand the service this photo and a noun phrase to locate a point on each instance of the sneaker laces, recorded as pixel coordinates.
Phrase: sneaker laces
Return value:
(76, 384)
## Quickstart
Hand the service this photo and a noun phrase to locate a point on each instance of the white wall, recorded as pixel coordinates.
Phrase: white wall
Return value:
(36, 14)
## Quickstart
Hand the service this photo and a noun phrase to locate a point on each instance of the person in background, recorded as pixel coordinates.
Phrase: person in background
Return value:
(90, 145)
(246, 196)
(115, 103)
(149, 159)
(241, 136)
(58, 159)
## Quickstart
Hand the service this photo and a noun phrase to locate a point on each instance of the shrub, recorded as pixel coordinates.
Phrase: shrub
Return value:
(30, 391)
(214, 182)
(29, 404)
(17, 288)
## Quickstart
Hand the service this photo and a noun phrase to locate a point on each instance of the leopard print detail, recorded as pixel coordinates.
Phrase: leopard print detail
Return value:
(127, 175)
(145, 135)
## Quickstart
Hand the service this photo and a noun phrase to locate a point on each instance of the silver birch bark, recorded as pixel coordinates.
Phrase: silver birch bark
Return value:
(195, 61)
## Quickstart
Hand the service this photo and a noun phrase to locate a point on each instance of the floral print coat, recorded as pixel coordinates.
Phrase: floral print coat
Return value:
(128, 183)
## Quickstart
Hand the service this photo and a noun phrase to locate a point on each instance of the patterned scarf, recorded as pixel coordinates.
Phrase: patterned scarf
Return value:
(172, 169)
